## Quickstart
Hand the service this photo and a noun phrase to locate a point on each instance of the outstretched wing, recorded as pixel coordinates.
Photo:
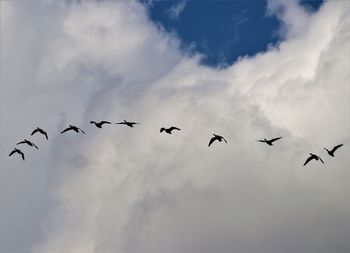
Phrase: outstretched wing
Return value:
(261, 141)
(336, 147)
(320, 159)
(35, 130)
(174, 128)
(275, 139)
(35, 145)
(12, 152)
(81, 130)
(308, 160)
(105, 122)
(211, 141)
(44, 133)
(120, 123)
(21, 142)
(22, 155)
(224, 139)
(67, 129)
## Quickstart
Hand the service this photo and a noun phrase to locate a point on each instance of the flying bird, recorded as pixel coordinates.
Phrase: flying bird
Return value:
(269, 142)
(331, 152)
(311, 157)
(216, 137)
(130, 124)
(99, 124)
(40, 131)
(25, 141)
(73, 128)
(15, 150)
(168, 130)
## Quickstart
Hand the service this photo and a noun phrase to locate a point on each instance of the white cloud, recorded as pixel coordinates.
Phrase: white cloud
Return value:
(135, 190)
(175, 10)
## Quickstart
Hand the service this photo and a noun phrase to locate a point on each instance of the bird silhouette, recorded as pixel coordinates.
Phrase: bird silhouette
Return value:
(168, 130)
(99, 124)
(73, 128)
(331, 152)
(40, 131)
(311, 157)
(15, 150)
(269, 142)
(25, 141)
(130, 124)
(216, 137)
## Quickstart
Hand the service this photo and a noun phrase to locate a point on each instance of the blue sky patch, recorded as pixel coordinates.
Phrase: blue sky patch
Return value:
(221, 31)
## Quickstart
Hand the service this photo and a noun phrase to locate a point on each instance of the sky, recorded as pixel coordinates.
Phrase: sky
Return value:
(281, 69)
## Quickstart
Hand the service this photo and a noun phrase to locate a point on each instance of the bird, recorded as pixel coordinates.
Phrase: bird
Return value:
(168, 130)
(15, 150)
(313, 156)
(99, 124)
(216, 137)
(25, 141)
(331, 152)
(40, 131)
(269, 142)
(74, 128)
(130, 124)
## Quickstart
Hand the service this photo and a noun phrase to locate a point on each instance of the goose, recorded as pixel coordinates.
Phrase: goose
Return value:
(15, 150)
(130, 124)
(168, 130)
(25, 141)
(73, 128)
(216, 137)
(269, 142)
(331, 152)
(99, 124)
(311, 157)
(40, 131)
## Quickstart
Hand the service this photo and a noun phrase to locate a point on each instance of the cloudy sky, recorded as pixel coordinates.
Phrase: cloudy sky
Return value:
(127, 190)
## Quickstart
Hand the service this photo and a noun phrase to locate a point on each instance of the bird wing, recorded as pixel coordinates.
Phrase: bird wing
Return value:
(320, 159)
(22, 155)
(105, 122)
(336, 147)
(81, 130)
(174, 128)
(67, 129)
(275, 139)
(308, 160)
(12, 152)
(224, 139)
(34, 145)
(261, 141)
(21, 142)
(35, 130)
(211, 141)
(44, 133)
(120, 123)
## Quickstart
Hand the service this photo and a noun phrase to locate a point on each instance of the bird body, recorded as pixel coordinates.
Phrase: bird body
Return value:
(40, 131)
(25, 141)
(331, 152)
(99, 124)
(168, 130)
(269, 142)
(216, 138)
(73, 128)
(15, 150)
(130, 124)
(311, 157)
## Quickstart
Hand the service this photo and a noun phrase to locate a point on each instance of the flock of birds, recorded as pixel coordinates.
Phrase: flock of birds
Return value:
(163, 129)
